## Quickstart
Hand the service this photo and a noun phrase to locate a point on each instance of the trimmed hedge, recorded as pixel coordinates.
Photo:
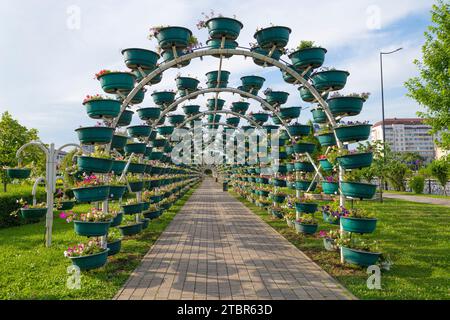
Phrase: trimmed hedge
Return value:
(8, 203)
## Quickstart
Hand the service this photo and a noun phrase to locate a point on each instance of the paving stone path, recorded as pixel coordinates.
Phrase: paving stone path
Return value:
(216, 248)
(419, 199)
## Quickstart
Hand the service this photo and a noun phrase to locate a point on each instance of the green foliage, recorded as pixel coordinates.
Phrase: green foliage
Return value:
(432, 88)
(417, 184)
(305, 44)
(396, 173)
(440, 169)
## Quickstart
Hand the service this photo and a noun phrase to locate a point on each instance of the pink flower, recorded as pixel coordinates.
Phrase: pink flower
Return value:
(63, 215)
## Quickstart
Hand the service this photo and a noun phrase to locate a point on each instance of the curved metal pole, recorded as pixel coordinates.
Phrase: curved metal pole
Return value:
(32, 143)
(69, 145)
(205, 113)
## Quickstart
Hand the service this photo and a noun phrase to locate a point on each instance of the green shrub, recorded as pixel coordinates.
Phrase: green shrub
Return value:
(417, 184)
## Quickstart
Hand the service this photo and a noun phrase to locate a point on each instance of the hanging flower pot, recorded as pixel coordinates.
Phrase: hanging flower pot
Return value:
(327, 139)
(306, 228)
(254, 83)
(91, 229)
(136, 57)
(163, 98)
(145, 223)
(95, 135)
(155, 155)
(358, 190)
(260, 117)
(302, 166)
(117, 220)
(169, 37)
(169, 56)
(290, 167)
(33, 213)
(330, 188)
(140, 76)
(276, 55)
(319, 116)
(262, 181)
(187, 83)
(92, 261)
(214, 118)
(152, 215)
(138, 97)
(356, 161)
(131, 230)
(220, 27)
(304, 147)
(137, 168)
(288, 78)
(213, 77)
(277, 213)
(217, 43)
(166, 130)
(112, 82)
(116, 192)
(91, 194)
(136, 148)
(137, 186)
(306, 207)
(240, 107)
(114, 247)
(118, 166)
(18, 173)
(146, 114)
(191, 110)
(290, 113)
(132, 208)
(276, 120)
(176, 119)
(211, 104)
(233, 121)
(353, 133)
(276, 36)
(302, 185)
(94, 165)
(102, 108)
(360, 226)
(125, 118)
(326, 165)
(278, 198)
(345, 106)
(65, 205)
(142, 131)
(330, 80)
(276, 97)
(299, 130)
(278, 183)
(308, 57)
(329, 219)
(359, 257)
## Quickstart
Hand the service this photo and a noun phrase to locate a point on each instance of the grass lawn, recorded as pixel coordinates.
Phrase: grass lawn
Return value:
(436, 196)
(415, 236)
(28, 270)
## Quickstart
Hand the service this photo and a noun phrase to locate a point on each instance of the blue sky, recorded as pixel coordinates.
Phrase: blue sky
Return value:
(47, 67)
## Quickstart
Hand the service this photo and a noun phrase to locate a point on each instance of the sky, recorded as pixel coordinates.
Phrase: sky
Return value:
(52, 50)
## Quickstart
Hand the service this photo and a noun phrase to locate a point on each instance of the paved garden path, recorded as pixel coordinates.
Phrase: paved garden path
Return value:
(420, 199)
(216, 248)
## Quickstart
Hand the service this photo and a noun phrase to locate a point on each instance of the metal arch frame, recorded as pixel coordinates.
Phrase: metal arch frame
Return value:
(209, 52)
(205, 113)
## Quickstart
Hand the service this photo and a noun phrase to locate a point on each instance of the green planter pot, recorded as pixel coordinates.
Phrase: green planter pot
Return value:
(277, 36)
(155, 155)
(117, 81)
(114, 247)
(290, 113)
(163, 98)
(330, 188)
(166, 130)
(132, 208)
(356, 161)
(330, 80)
(306, 207)
(299, 130)
(288, 78)
(118, 166)
(306, 228)
(326, 165)
(233, 121)
(327, 139)
(118, 142)
(90, 262)
(138, 97)
(254, 83)
(360, 226)
(326, 218)
(264, 193)
(213, 76)
(131, 230)
(278, 183)
(216, 44)
(169, 56)
(303, 167)
(117, 220)
(136, 148)
(290, 167)
(345, 106)
(176, 119)
(137, 168)
(136, 186)
(136, 57)
(278, 198)
(353, 133)
(91, 194)
(277, 214)
(66, 205)
(142, 131)
(277, 97)
(146, 114)
(304, 185)
(95, 135)
(18, 173)
(94, 165)
(260, 118)
(240, 107)
(319, 116)
(145, 223)
(33, 214)
(91, 229)
(276, 120)
(304, 147)
(211, 104)
(224, 27)
(306, 95)
(191, 109)
(276, 55)
(187, 83)
(309, 57)
(125, 118)
(262, 180)
(361, 258)
(214, 118)
(173, 37)
(358, 190)
(159, 143)
(139, 77)
(145, 206)
(107, 108)
(152, 215)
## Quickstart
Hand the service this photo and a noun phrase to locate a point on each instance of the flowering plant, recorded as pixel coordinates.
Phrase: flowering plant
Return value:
(84, 249)
(103, 72)
(359, 214)
(93, 98)
(131, 202)
(307, 219)
(290, 215)
(334, 211)
(89, 181)
(322, 157)
(351, 123)
(333, 234)
(154, 31)
(201, 24)
(94, 215)
(114, 235)
(363, 95)
(100, 153)
(357, 244)
(24, 205)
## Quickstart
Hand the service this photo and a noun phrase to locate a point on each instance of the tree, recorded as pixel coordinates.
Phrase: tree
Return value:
(432, 88)
(12, 136)
(396, 173)
(412, 159)
(440, 169)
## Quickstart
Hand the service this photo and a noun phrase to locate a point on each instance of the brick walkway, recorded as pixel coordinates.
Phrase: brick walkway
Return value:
(216, 248)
